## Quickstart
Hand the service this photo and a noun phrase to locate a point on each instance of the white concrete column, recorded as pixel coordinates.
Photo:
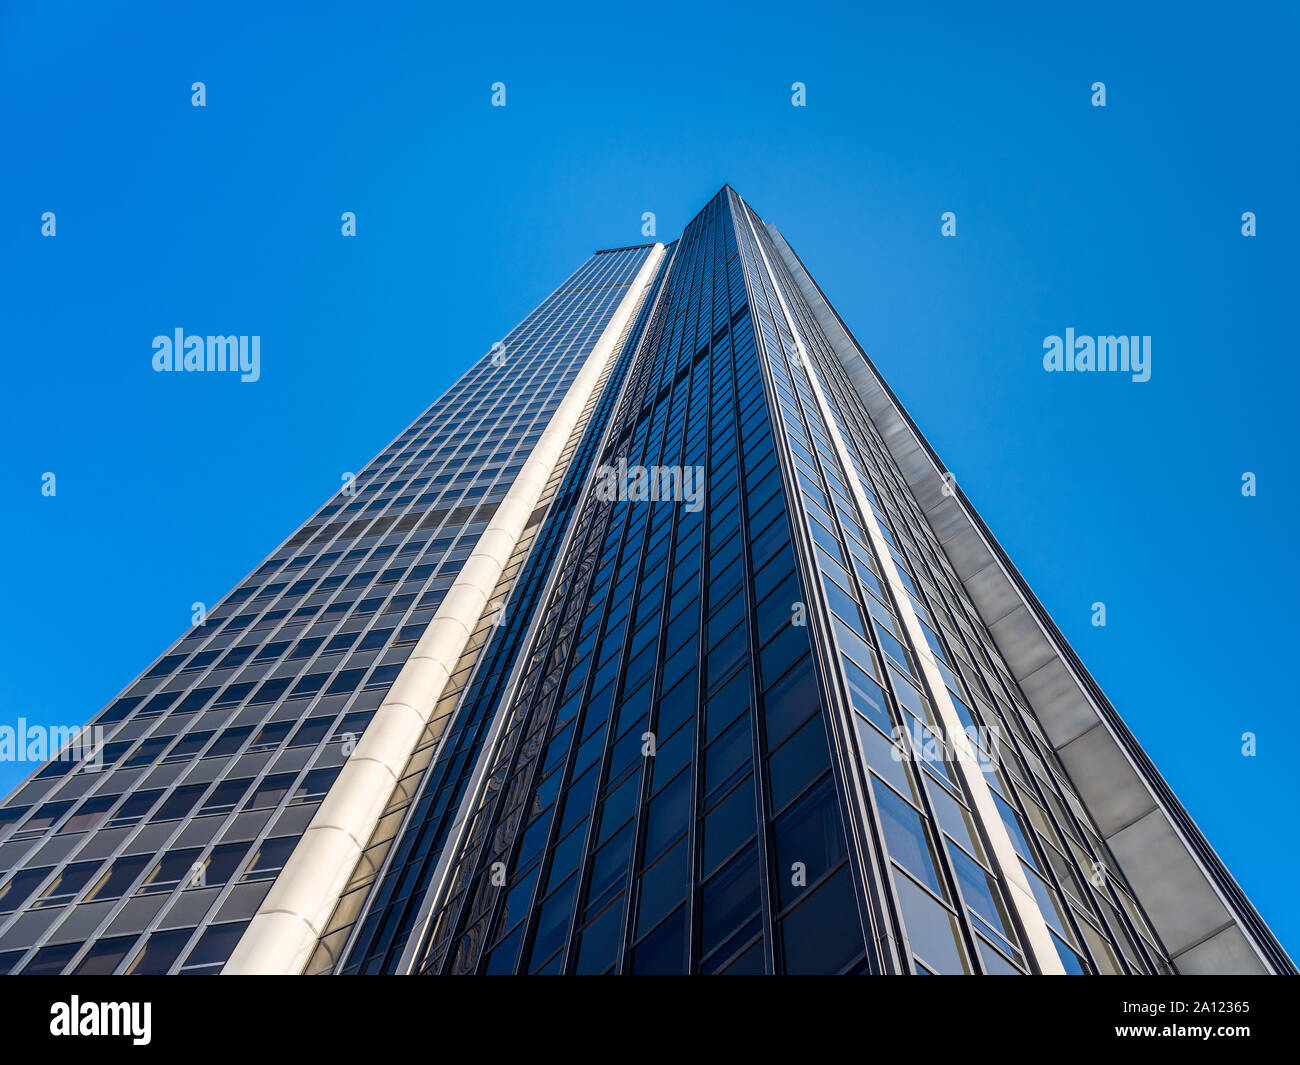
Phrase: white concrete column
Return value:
(284, 931)
(1005, 859)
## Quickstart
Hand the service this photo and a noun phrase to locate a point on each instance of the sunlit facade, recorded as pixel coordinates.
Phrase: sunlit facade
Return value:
(796, 713)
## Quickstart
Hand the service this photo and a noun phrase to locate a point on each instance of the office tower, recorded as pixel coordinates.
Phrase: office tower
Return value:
(661, 643)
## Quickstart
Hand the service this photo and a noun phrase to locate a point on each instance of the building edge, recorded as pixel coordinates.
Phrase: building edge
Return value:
(284, 931)
(1203, 917)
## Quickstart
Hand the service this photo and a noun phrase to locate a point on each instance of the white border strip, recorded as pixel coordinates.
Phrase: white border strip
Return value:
(283, 933)
(1039, 940)
(435, 893)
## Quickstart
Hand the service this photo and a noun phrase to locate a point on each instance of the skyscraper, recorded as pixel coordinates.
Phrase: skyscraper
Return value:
(661, 643)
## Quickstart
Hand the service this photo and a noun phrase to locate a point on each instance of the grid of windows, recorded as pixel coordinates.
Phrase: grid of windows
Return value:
(679, 739)
(666, 759)
(370, 927)
(218, 755)
(684, 780)
(1101, 929)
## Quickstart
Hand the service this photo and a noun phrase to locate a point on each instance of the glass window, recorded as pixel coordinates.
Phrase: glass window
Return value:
(311, 732)
(214, 948)
(906, 838)
(981, 894)
(663, 885)
(314, 785)
(50, 961)
(1074, 964)
(799, 761)
(88, 814)
(270, 791)
(553, 923)
(726, 755)
(867, 696)
(20, 887)
(134, 807)
(270, 736)
(728, 825)
(663, 951)
(226, 795)
(791, 701)
(932, 930)
(104, 956)
(823, 934)
(46, 816)
(666, 817)
(179, 803)
(189, 745)
(729, 900)
(120, 875)
(809, 842)
(71, 879)
(173, 868)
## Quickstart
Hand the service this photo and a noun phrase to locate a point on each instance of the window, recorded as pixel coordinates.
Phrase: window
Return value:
(269, 858)
(180, 802)
(932, 930)
(225, 796)
(314, 785)
(732, 750)
(982, 896)
(663, 952)
(809, 840)
(800, 760)
(311, 732)
(195, 701)
(729, 901)
(229, 741)
(66, 885)
(867, 696)
(173, 868)
(46, 816)
(667, 815)
(119, 876)
(220, 865)
(50, 961)
(20, 888)
(104, 956)
(160, 952)
(905, 836)
(270, 791)
(147, 751)
(728, 825)
(824, 933)
(134, 808)
(188, 745)
(88, 814)
(791, 701)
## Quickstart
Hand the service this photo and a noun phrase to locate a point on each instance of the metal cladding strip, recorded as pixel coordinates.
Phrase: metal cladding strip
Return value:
(284, 931)
(436, 890)
(1038, 939)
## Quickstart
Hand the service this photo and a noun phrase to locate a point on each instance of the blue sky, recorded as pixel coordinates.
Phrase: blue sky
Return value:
(225, 219)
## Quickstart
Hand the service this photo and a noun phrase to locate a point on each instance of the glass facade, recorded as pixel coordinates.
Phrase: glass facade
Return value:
(765, 729)
(218, 756)
(708, 769)
(955, 915)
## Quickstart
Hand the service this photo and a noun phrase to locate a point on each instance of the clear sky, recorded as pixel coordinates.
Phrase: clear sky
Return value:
(226, 219)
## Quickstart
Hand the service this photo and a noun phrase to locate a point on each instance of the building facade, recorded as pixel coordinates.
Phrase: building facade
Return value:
(661, 643)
